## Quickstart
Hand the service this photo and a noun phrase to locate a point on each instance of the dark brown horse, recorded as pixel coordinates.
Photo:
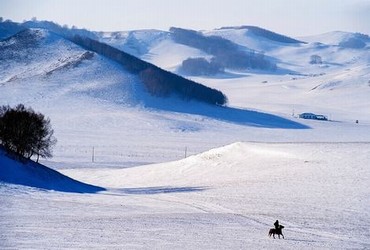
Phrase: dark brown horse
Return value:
(278, 231)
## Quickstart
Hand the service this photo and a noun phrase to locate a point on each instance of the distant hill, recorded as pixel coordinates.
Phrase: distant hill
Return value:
(136, 42)
(9, 28)
(337, 38)
(266, 34)
(225, 52)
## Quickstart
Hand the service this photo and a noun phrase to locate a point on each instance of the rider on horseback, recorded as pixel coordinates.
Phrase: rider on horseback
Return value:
(277, 230)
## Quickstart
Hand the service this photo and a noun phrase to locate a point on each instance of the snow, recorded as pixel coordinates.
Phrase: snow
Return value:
(246, 164)
(170, 55)
(332, 38)
(137, 42)
(246, 38)
(224, 198)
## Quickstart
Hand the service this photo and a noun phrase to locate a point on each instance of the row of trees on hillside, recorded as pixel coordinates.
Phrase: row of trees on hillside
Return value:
(8, 28)
(157, 81)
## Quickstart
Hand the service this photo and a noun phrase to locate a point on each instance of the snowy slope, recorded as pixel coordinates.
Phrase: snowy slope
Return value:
(227, 197)
(153, 46)
(246, 36)
(51, 65)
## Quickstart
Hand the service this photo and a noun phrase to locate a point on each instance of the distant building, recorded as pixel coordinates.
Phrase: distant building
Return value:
(313, 116)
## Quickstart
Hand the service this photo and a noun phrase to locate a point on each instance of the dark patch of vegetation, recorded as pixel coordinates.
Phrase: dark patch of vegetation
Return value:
(9, 28)
(363, 37)
(25, 132)
(201, 67)
(352, 43)
(226, 53)
(315, 59)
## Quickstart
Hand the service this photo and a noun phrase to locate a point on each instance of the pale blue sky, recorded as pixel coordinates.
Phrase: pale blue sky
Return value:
(289, 17)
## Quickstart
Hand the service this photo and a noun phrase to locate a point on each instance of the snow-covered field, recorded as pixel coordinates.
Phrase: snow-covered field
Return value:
(246, 165)
(226, 198)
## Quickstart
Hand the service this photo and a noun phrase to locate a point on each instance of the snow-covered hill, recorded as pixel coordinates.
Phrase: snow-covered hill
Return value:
(49, 66)
(137, 43)
(337, 86)
(339, 38)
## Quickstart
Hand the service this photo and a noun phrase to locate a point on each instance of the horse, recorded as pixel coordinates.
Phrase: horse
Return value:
(277, 231)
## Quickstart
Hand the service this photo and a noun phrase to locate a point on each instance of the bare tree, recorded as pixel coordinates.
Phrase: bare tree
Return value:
(25, 132)
(315, 59)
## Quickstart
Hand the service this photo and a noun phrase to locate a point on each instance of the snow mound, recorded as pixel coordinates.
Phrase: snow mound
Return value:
(37, 175)
(233, 163)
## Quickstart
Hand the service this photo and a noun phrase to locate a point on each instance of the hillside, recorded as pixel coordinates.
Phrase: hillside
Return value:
(136, 42)
(338, 37)
(224, 52)
(155, 80)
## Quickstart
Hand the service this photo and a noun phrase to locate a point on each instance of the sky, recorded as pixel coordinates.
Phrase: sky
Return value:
(289, 17)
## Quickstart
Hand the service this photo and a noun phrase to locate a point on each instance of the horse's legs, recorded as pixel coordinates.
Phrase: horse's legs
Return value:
(282, 235)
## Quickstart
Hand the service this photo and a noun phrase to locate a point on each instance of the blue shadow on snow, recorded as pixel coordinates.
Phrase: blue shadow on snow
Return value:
(159, 190)
(29, 173)
(227, 114)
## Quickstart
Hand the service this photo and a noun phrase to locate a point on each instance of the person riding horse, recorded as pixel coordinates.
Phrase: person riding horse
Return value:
(277, 230)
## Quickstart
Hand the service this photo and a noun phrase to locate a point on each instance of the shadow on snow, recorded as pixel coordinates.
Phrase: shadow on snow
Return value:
(32, 174)
(157, 190)
(227, 114)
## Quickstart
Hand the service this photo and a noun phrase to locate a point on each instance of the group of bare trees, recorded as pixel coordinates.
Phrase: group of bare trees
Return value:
(25, 132)
(201, 66)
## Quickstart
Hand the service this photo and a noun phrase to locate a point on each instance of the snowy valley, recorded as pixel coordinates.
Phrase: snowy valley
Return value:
(134, 169)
